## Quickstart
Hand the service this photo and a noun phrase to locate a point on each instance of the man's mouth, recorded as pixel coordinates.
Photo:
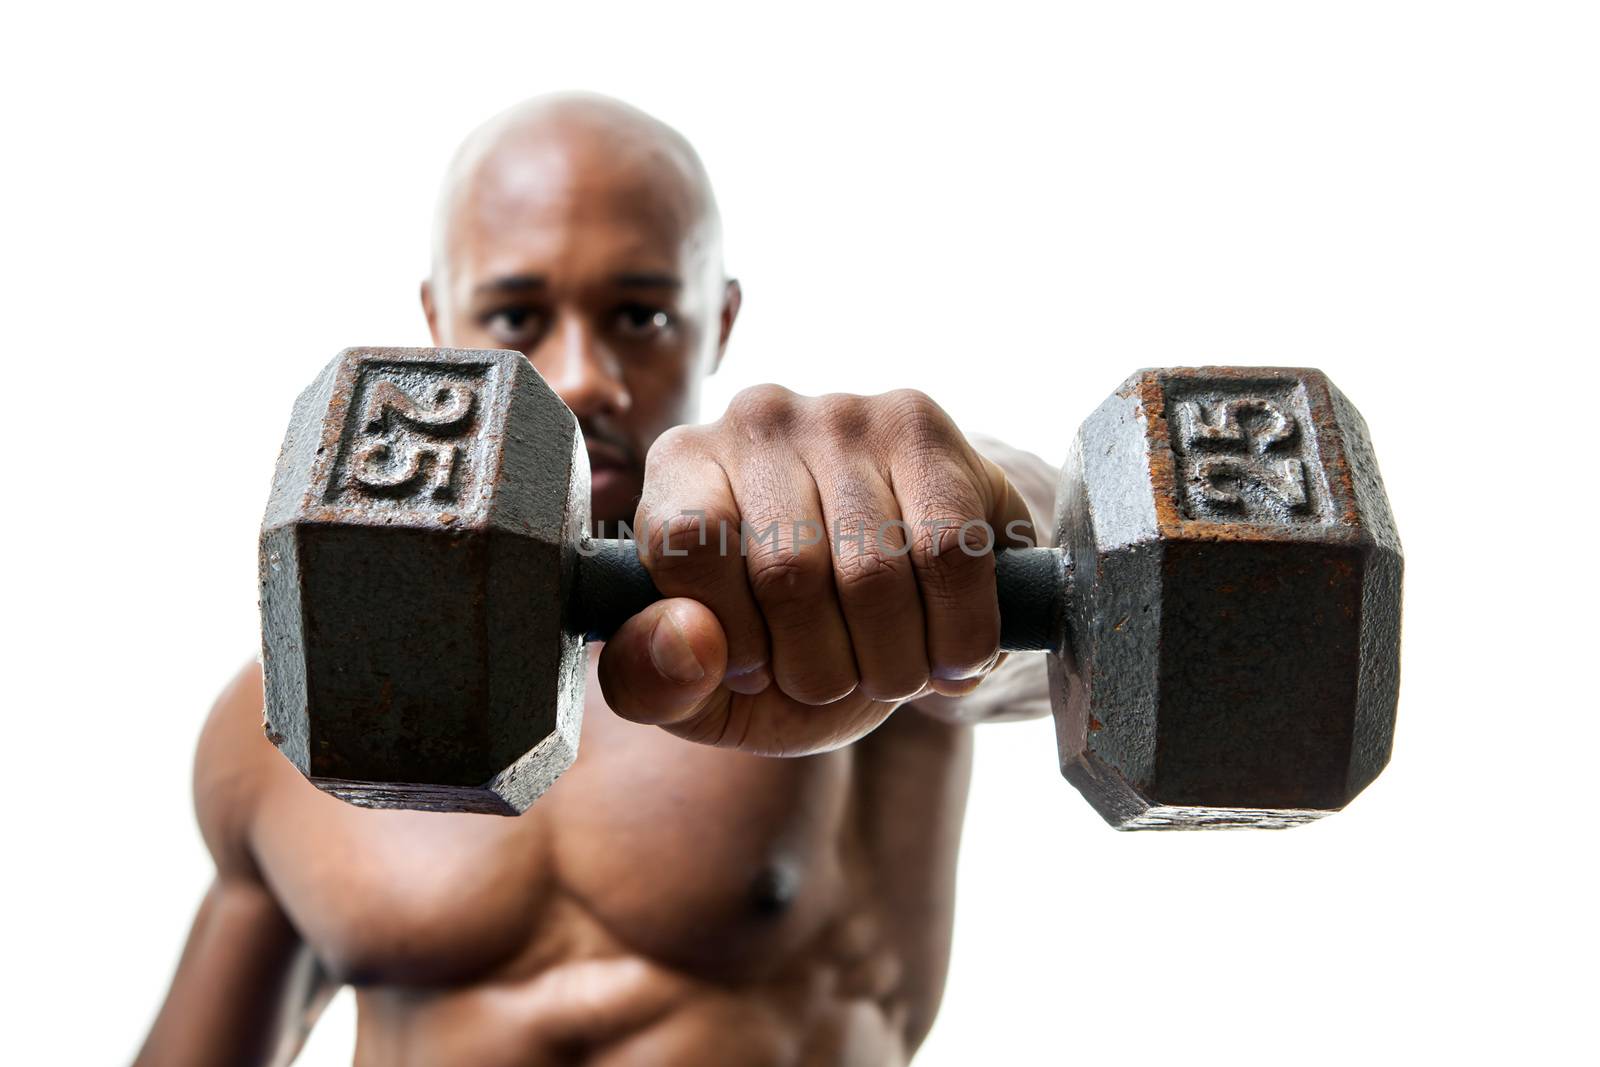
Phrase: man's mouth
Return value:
(603, 457)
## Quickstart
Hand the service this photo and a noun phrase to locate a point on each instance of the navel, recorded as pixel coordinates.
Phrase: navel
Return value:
(774, 889)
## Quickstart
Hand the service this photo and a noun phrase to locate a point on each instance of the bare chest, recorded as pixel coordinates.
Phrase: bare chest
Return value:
(714, 862)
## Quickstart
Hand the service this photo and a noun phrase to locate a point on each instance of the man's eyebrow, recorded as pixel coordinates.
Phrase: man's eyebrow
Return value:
(646, 280)
(512, 283)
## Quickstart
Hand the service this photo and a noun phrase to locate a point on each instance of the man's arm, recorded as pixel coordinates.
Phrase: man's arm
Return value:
(1018, 688)
(245, 982)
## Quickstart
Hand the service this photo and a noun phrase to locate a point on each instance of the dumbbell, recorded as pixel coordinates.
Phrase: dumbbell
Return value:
(1222, 612)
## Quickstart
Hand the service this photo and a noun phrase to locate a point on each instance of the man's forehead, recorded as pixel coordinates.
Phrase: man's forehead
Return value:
(615, 183)
(550, 201)
(567, 253)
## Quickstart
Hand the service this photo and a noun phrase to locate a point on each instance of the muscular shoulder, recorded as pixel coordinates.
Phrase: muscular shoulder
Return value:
(231, 771)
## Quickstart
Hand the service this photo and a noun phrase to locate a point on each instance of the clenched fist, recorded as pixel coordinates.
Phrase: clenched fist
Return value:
(823, 560)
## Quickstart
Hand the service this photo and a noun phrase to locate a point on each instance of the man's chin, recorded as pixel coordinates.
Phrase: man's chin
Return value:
(613, 497)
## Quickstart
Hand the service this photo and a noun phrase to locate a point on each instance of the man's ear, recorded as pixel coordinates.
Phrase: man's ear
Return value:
(430, 310)
(732, 298)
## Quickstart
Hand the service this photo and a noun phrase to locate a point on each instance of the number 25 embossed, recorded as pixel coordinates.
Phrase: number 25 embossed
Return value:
(411, 451)
(1240, 457)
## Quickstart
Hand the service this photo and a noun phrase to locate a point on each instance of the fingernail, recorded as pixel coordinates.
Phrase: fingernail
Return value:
(670, 651)
(750, 681)
(957, 688)
(958, 674)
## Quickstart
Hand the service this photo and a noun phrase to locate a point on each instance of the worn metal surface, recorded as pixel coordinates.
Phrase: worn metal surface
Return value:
(416, 558)
(1234, 602)
(1226, 598)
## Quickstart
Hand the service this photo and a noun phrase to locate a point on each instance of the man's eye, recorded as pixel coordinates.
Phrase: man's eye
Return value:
(641, 321)
(514, 327)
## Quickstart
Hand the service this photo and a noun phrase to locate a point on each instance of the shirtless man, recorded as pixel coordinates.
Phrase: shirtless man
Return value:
(779, 893)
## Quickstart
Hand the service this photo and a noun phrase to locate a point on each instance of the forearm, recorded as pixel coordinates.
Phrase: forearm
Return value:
(226, 1005)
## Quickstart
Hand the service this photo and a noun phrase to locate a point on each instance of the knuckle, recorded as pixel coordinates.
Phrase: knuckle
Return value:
(937, 543)
(655, 537)
(668, 453)
(675, 440)
(893, 683)
(845, 417)
(688, 530)
(871, 575)
(910, 400)
(783, 577)
(684, 546)
(946, 561)
(925, 436)
(761, 408)
(823, 689)
(971, 652)
(913, 411)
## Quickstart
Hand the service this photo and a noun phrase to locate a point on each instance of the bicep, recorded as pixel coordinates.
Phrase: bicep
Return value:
(226, 1003)
(243, 964)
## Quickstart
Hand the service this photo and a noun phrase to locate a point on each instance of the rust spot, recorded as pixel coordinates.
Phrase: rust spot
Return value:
(1152, 409)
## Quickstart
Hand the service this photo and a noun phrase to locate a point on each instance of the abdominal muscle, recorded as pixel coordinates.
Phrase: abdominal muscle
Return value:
(837, 1004)
(663, 904)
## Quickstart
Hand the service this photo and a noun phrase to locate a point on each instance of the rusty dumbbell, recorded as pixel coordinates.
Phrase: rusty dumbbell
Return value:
(1223, 610)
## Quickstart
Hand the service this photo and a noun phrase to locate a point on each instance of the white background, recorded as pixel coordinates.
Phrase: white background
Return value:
(1008, 209)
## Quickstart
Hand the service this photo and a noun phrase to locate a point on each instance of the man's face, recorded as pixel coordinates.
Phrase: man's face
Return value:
(596, 270)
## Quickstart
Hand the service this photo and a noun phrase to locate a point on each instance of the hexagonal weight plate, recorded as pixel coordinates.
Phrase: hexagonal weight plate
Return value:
(416, 556)
(1234, 607)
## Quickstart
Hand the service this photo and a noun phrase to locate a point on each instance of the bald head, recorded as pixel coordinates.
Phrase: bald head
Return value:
(583, 232)
(576, 151)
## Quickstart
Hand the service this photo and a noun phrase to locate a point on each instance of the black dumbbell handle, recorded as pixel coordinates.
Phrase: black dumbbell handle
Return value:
(613, 586)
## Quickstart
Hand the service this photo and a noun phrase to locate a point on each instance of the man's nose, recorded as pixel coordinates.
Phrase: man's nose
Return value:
(582, 370)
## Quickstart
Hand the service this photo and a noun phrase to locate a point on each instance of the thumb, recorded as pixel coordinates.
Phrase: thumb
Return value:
(663, 663)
